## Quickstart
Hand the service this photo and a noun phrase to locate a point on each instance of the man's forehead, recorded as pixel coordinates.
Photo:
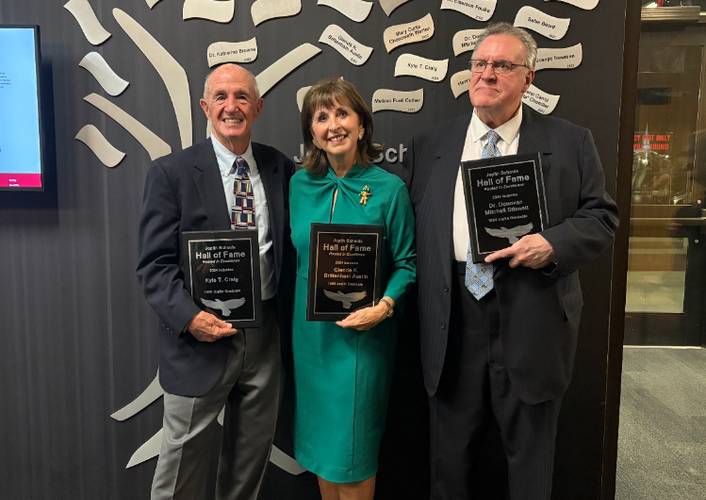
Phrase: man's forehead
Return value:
(230, 75)
(502, 45)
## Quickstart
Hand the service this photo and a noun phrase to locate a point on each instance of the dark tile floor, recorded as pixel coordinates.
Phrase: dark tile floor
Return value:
(662, 440)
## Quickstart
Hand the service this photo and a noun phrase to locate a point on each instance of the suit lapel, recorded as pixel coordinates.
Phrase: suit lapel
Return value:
(533, 138)
(268, 172)
(270, 177)
(207, 177)
(443, 183)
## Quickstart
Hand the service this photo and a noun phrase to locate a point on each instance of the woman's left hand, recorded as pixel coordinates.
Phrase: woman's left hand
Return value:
(364, 319)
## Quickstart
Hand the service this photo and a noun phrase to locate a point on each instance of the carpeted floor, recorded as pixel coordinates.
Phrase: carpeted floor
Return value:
(662, 440)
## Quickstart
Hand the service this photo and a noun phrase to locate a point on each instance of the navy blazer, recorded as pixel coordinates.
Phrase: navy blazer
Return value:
(184, 192)
(539, 310)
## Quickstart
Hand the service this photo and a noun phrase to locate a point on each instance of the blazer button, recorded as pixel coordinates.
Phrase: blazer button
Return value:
(446, 288)
(443, 326)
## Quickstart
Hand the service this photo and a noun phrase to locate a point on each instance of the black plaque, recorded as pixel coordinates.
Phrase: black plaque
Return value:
(505, 200)
(222, 274)
(344, 270)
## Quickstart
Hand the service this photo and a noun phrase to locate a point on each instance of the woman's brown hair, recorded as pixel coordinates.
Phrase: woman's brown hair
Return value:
(325, 94)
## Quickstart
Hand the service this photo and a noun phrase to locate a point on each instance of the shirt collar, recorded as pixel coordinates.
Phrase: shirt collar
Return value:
(226, 157)
(507, 131)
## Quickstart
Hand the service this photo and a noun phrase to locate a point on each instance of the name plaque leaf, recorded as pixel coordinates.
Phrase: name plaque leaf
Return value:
(336, 37)
(108, 154)
(552, 27)
(562, 58)
(480, 10)
(402, 34)
(581, 4)
(217, 11)
(389, 5)
(398, 100)
(222, 274)
(505, 200)
(86, 18)
(355, 10)
(460, 82)
(97, 66)
(539, 100)
(465, 40)
(235, 52)
(428, 69)
(264, 10)
(344, 270)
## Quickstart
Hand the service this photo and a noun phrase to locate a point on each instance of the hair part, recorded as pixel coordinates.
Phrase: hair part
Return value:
(326, 94)
(508, 29)
(251, 77)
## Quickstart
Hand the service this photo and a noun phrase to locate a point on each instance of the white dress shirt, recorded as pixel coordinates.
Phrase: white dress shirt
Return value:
(476, 139)
(226, 159)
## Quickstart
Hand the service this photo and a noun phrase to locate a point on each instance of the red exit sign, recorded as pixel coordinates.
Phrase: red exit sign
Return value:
(652, 142)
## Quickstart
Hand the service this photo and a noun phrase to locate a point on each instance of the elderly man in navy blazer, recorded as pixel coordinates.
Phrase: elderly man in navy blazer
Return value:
(205, 364)
(498, 340)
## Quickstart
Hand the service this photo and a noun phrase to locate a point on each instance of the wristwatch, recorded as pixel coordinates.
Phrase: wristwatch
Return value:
(390, 309)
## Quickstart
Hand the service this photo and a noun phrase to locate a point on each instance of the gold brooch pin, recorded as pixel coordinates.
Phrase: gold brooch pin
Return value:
(364, 195)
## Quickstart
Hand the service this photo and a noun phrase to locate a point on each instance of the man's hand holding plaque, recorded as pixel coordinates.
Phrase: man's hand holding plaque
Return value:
(532, 251)
(206, 327)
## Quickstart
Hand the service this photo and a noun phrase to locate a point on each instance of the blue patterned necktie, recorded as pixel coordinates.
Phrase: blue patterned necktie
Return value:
(479, 277)
(242, 215)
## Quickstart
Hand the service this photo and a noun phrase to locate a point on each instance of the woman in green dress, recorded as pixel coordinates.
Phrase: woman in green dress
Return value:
(342, 370)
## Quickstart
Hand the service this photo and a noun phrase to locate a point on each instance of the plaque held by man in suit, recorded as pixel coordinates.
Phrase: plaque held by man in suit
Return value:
(344, 270)
(505, 200)
(222, 274)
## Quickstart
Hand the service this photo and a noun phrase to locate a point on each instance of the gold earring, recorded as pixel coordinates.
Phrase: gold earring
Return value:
(360, 135)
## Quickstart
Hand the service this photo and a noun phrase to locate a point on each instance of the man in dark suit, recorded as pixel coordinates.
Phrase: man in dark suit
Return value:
(498, 340)
(204, 362)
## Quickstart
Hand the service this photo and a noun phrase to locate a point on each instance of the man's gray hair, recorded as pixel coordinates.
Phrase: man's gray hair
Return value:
(510, 30)
(253, 80)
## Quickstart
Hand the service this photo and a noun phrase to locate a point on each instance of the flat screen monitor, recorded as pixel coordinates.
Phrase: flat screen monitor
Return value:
(21, 151)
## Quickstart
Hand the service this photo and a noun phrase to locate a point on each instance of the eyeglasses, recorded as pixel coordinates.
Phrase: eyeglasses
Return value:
(498, 67)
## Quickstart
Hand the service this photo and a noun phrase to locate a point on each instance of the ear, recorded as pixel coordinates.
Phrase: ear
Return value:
(529, 77)
(258, 107)
(204, 106)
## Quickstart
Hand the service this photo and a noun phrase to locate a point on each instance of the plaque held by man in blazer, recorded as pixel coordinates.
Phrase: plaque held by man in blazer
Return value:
(222, 274)
(505, 200)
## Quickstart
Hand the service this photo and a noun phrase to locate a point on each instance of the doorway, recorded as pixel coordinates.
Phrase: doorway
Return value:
(661, 443)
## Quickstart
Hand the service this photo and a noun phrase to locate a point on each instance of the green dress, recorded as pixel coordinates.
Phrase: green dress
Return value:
(342, 376)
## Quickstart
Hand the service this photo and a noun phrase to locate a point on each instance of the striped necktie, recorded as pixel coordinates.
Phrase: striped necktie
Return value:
(242, 215)
(479, 277)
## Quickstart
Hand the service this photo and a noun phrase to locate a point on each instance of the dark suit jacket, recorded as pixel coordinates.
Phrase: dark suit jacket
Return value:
(184, 192)
(539, 310)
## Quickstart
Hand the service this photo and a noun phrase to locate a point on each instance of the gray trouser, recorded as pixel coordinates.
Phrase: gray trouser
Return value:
(249, 388)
